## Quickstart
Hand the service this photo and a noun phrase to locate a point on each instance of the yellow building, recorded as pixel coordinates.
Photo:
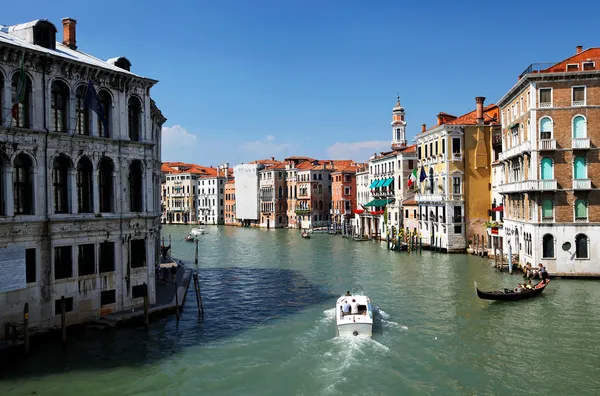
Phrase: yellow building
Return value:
(454, 196)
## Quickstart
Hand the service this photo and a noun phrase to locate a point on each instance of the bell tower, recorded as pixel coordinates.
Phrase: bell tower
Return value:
(398, 126)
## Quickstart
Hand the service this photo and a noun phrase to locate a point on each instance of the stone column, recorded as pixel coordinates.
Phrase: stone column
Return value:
(8, 190)
(95, 191)
(72, 188)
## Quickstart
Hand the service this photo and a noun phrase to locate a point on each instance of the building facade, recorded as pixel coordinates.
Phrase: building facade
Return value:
(179, 195)
(454, 189)
(344, 196)
(229, 210)
(550, 160)
(211, 194)
(80, 213)
(273, 196)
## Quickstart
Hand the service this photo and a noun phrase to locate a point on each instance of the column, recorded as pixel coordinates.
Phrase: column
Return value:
(72, 188)
(6, 101)
(8, 190)
(95, 191)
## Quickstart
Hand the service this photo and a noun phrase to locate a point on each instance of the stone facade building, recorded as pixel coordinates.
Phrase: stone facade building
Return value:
(273, 196)
(552, 165)
(80, 196)
(454, 163)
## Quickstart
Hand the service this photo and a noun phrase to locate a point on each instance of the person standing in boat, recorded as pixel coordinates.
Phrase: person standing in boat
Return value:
(346, 308)
(542, 272)
(348, 293)
(354, 307)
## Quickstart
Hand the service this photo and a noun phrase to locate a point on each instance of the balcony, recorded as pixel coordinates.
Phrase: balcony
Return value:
(547, 185)
(578, 103)
(429, 197)
(545, 105)
(580, 143)
(457, 157)
(455, 197)
(582, 184)
(547, 144)
(515, 150)
(457, 219)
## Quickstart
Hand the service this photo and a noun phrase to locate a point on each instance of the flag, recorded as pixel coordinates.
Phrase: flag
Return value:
(21, 88)
(423, 175)
(91, 102)
(413, 178)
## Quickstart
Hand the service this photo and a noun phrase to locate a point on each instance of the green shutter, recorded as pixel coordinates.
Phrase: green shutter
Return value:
(547, 207)
(579, 171)
(580, 209)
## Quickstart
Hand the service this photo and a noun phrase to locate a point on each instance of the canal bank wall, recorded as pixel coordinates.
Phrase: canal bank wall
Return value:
(170, 297)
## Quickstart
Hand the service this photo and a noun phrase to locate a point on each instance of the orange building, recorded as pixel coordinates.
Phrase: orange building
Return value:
(230, 203)
(343, 194)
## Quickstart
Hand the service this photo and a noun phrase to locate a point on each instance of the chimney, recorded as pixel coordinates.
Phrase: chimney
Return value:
(423, 127)
(272, 158)
(479, 112)
(440, 119)
(578, 49)
(69, 38)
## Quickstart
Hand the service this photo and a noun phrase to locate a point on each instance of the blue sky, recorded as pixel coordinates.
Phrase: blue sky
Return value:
(242, 80)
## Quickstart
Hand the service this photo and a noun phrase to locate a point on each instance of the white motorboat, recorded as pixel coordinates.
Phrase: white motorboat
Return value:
(354, 324)
(197, 231)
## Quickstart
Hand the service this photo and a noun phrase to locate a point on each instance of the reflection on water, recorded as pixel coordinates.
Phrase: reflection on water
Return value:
(269, 329)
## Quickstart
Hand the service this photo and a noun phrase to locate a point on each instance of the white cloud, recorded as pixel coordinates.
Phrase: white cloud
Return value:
(177, 136)
(267, 148)
(357, 151)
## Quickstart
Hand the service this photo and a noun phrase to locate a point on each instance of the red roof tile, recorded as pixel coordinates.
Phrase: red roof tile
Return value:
(591, 54)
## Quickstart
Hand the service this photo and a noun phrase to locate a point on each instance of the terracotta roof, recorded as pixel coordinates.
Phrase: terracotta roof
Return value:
(591, 54)
(276, 165)
(490, 114)
(409, 202)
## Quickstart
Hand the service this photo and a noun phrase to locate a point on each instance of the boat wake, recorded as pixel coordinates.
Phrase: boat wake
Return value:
(382, 318)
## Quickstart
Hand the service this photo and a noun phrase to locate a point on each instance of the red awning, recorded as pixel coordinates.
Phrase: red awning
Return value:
(358, 211)
(498, 209)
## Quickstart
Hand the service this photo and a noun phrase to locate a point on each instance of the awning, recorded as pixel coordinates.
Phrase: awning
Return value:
(380, 183)
(379, 202)
(387, 182)
(373, 183)
(498, 209)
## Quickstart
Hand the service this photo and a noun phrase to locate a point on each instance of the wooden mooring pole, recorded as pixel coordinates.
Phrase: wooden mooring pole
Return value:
(176, 301)
(146, 319)
(26, 327)
(196, 255)
(495, 253)
(198, 295)
(63, 319)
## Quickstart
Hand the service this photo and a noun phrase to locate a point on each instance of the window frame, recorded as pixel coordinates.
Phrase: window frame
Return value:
(553, 246)
(573, 101)
(587, 247)
(550, 104)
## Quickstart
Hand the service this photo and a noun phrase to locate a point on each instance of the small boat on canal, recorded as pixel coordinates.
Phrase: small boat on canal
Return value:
(189, 238)
(359, 324)
(197, 231)
(305, 235)
(512, 295)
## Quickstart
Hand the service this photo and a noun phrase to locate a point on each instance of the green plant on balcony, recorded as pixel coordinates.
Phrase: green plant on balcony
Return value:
(493, 224)
(302, 211)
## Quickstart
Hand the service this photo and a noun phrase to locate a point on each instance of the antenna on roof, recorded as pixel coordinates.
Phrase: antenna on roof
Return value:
(285, 152)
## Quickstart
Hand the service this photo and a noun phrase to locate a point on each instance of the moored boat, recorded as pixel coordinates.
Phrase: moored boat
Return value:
(358, 324)
(197, 231)
(511, 295)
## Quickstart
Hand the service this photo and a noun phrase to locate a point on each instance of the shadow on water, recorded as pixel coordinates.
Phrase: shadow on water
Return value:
(235, 300)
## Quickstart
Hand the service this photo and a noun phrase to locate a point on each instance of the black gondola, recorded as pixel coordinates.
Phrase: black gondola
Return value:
(511, 295)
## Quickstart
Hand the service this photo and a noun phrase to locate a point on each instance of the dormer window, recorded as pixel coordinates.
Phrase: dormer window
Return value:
(44, 35)
(573, 67)
(588, 65)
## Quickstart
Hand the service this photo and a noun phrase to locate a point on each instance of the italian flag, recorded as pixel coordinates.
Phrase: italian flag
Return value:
(413, 178)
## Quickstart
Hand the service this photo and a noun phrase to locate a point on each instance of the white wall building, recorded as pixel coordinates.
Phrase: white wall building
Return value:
(80, 198)
(246, 193)
(179, 198)
(211, 196)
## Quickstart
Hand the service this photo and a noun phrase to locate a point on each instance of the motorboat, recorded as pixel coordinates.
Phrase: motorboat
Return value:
(358, 324)
(305, 234)
(189, 238)
(197, 231)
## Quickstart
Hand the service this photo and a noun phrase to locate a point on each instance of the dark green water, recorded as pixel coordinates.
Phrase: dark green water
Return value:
(268, 329)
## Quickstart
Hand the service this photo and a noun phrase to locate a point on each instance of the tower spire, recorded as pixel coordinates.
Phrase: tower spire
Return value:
(398, 125)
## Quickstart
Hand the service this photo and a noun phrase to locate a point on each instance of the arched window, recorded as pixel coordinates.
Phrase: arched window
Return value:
(548, 246)
(104, 124)
(579, 127)
(135, 117)
(22, 184)
(82, 118)
(581, 246)
(1, 97)
(84, 186)
(60, 179)
(21, 93)
(546, 128)
(320, 205)
(59, 95)
(135, 186)
(581, 210)
(579, 168)
(547, 209)
(547, 168)
(4, 165)
(280, 192)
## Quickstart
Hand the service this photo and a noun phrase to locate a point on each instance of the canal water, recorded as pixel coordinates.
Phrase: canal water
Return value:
(268, 329)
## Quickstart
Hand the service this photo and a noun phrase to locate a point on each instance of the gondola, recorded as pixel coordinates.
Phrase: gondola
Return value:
(305, 235)
(510, 295)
